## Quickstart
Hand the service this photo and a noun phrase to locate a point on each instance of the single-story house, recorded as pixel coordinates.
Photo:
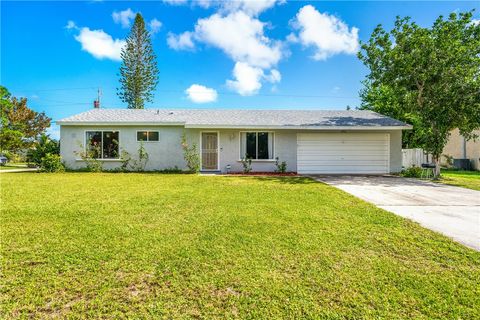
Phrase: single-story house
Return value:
(313, 141)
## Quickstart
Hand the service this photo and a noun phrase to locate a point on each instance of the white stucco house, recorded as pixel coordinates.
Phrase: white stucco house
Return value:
(323, 142)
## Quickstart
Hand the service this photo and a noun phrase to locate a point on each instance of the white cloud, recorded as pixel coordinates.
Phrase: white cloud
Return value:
(250, 7)
(123, 17)
(180, 42)
(71, 25)
(292, 38)
(237, 31)
(201, 94)
(100, 44)
(326, 33)
(241, 37)
(154, 25)
(247, 79)
(476, 22)
(274, 76)
(175, 2)
(204, 3)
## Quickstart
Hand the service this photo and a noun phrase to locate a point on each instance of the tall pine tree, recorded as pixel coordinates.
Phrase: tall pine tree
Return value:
(139, 72)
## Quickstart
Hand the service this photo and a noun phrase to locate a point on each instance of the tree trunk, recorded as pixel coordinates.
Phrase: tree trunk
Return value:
(436, 171)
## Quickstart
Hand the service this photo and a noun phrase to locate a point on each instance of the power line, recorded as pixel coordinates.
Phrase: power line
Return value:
(223, 93)
(58, 89)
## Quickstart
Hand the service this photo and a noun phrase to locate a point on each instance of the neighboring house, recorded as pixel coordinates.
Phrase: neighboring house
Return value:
(460, 148)
(309, 141)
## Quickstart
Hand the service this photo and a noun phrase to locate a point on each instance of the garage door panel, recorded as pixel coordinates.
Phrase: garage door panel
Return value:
(333, 162)
(343, 152)
(341, 136)
(344, 148)
(377, 154)
(315, 158)
(341, 141)
(343, 168)
(341, 171)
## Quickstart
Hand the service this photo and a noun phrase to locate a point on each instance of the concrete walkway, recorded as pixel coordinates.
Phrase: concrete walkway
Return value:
(19, 170)
(452, 211)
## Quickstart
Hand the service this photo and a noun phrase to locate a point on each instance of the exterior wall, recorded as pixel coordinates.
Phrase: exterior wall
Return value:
(395, 151)
(454, 146)
(167, 152)
(285, 148)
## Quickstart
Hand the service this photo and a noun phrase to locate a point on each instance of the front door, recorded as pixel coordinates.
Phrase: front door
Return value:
(209, 151)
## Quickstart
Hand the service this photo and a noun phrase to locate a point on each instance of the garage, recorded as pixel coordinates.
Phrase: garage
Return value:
(343, 153)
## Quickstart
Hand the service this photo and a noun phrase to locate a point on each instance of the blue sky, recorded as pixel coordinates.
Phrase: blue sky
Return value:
(242, 54)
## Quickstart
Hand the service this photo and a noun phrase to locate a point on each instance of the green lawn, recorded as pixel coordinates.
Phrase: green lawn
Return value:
(80, 245)
(466, 179)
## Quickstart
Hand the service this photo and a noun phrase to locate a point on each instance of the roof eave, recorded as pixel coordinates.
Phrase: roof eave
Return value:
(220, 126)
(295, 127)
(118, 123)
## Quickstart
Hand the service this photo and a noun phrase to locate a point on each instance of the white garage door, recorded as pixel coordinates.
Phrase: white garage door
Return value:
(343, 152)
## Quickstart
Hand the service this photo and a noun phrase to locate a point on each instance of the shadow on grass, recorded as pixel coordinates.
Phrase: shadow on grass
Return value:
(278, 179)
(285, 179)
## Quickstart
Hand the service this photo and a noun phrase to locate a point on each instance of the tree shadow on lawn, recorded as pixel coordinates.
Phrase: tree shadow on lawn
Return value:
(284, 179)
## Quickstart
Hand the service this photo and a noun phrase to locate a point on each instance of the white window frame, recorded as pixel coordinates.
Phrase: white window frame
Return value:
(256, 143)
(148, 141)
(102, 131)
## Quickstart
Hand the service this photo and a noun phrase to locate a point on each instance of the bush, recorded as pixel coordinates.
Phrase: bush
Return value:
(89, 157)
(412, 172)
(247, 164)
(281, 166)
(141, 163)
(190, 155)
(171, 170)
(43, 146)
(131, 164)
(51, 163)
(13, 157)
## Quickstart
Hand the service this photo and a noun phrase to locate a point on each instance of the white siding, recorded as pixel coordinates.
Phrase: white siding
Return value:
(343, 153)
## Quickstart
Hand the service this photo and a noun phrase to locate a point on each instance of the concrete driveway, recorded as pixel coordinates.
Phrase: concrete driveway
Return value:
(452, 211)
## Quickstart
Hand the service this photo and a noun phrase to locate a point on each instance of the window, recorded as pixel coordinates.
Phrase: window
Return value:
(103, 144)
(256, 145)
(147, 135)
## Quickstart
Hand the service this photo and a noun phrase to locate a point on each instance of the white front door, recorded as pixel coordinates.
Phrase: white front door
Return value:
(338, 153)
(209, 150)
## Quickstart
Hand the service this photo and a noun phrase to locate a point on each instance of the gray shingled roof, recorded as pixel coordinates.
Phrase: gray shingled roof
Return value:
(234, 118)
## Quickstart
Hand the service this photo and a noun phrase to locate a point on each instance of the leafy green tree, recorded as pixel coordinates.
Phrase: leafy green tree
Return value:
(428, 77)
(139, 72)
(20, 125)
(43, 145)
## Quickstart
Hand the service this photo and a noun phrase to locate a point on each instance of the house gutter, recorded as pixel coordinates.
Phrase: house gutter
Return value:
(123, 123)
(220, 126)
(336, 128)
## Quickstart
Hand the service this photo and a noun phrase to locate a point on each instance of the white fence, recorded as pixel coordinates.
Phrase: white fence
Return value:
(413, 157)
